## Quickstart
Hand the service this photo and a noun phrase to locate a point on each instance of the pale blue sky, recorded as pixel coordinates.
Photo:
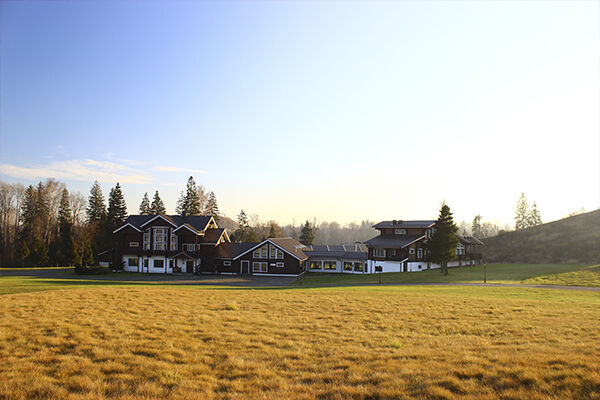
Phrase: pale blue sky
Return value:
(340, 110)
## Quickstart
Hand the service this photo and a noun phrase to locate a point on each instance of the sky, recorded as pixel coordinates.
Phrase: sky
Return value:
(344, 111)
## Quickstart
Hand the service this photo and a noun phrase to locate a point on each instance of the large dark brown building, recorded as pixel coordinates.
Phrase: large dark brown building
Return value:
(402, 247)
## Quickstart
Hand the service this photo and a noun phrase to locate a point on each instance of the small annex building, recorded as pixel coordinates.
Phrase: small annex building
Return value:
(349, 259)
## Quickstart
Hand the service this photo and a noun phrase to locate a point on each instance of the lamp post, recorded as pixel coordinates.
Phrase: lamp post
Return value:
(484, 272)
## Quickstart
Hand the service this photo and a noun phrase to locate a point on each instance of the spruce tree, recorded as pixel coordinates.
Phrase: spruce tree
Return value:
(522, 213)
(66, 240)
(534, 218)
(117, 209)
(96, 209)
(145, 206)
(193, 200)
(442, 245)
(211, 207)
(28, 214)
(476, 226)
(308, 234)
(158, 205)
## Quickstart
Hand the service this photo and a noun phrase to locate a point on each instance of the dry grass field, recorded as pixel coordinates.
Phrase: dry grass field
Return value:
(336, 343)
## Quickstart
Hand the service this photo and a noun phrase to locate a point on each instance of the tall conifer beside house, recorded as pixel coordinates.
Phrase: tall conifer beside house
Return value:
(522, 213)
(158, 205)
(211, 206)
(96, 209)
(193, 200)
(145, 205)
(117, 208)
(308, 233)
(442, 245)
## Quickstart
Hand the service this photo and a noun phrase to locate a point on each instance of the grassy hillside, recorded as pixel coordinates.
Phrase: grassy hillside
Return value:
(341, 343)
(573, 240)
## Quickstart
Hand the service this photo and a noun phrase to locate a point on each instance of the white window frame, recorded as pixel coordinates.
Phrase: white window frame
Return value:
(227, 263)
(411, 250)
(400, 231)
(378, 252)
(419, 253)
(173, 244)
(129, 264)
(134, 244)
(320, 263)
(160, 238)
(147, 239)
(362, 267)
(257, 266)
(390, 252)
(460, 249)
(160, 260)
(329, 262)
(280, 265)
(259, 253)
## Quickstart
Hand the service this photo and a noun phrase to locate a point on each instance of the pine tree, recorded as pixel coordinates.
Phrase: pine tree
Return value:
(442, 245)
(308, 234)
(522, 213)
(117, 209)
(476, 226)
(23, 252)
(211, 207)
(193, 200)
(158, 206)
(534, 218)
(96, 209)
(28, 214)
(145, 206)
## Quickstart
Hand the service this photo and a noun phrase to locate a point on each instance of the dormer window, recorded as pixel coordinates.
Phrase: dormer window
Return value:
(399, 231)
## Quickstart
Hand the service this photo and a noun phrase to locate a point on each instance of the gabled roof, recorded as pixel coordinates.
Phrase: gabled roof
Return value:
(354, 251)
(125, 226)
(213, 235)
(197, 223)
(287, 244)
(393, 241)
(405, 224)
(231, 250)
(469, 240)
(189, 228)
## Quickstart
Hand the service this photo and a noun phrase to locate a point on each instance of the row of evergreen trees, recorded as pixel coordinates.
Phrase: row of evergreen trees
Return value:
(259, 232)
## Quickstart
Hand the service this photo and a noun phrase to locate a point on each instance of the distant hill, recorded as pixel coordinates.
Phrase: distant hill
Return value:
(572, 240)
(227, 223)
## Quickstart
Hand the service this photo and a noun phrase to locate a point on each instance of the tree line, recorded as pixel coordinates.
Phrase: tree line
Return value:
(45, 224)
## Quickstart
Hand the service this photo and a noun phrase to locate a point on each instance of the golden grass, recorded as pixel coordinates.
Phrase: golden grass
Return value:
(359, 343)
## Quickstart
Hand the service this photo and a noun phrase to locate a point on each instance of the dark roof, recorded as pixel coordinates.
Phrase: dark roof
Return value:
(197, 222)
(212, 235)
(353, 251)
(405, 224)
(392, 241)
(231, 250)
(291, 246)
(469, 240)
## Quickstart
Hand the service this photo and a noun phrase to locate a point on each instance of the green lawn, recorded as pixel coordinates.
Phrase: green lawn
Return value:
(548, 274)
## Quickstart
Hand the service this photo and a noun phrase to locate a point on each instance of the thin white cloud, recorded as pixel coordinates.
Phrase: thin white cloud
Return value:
(80, 170)
(177, 169)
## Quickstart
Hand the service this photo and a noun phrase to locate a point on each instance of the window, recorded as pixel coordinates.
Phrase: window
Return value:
(259, 266)
(280, 265)
(391, 252)
(227, 263)
(274, 252)
(377, 252)
(419, 253)
(173, 241)
(329, 265)
(160, 238)
(347, 266)
(315, 265)
(189, 246)
(399, 231)
(159, 263)
(429, 233)
(358, 267)
(460, 249)
(134, 244)
(260, 252)
(133, 262)
(411, 251)
(147, 239)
